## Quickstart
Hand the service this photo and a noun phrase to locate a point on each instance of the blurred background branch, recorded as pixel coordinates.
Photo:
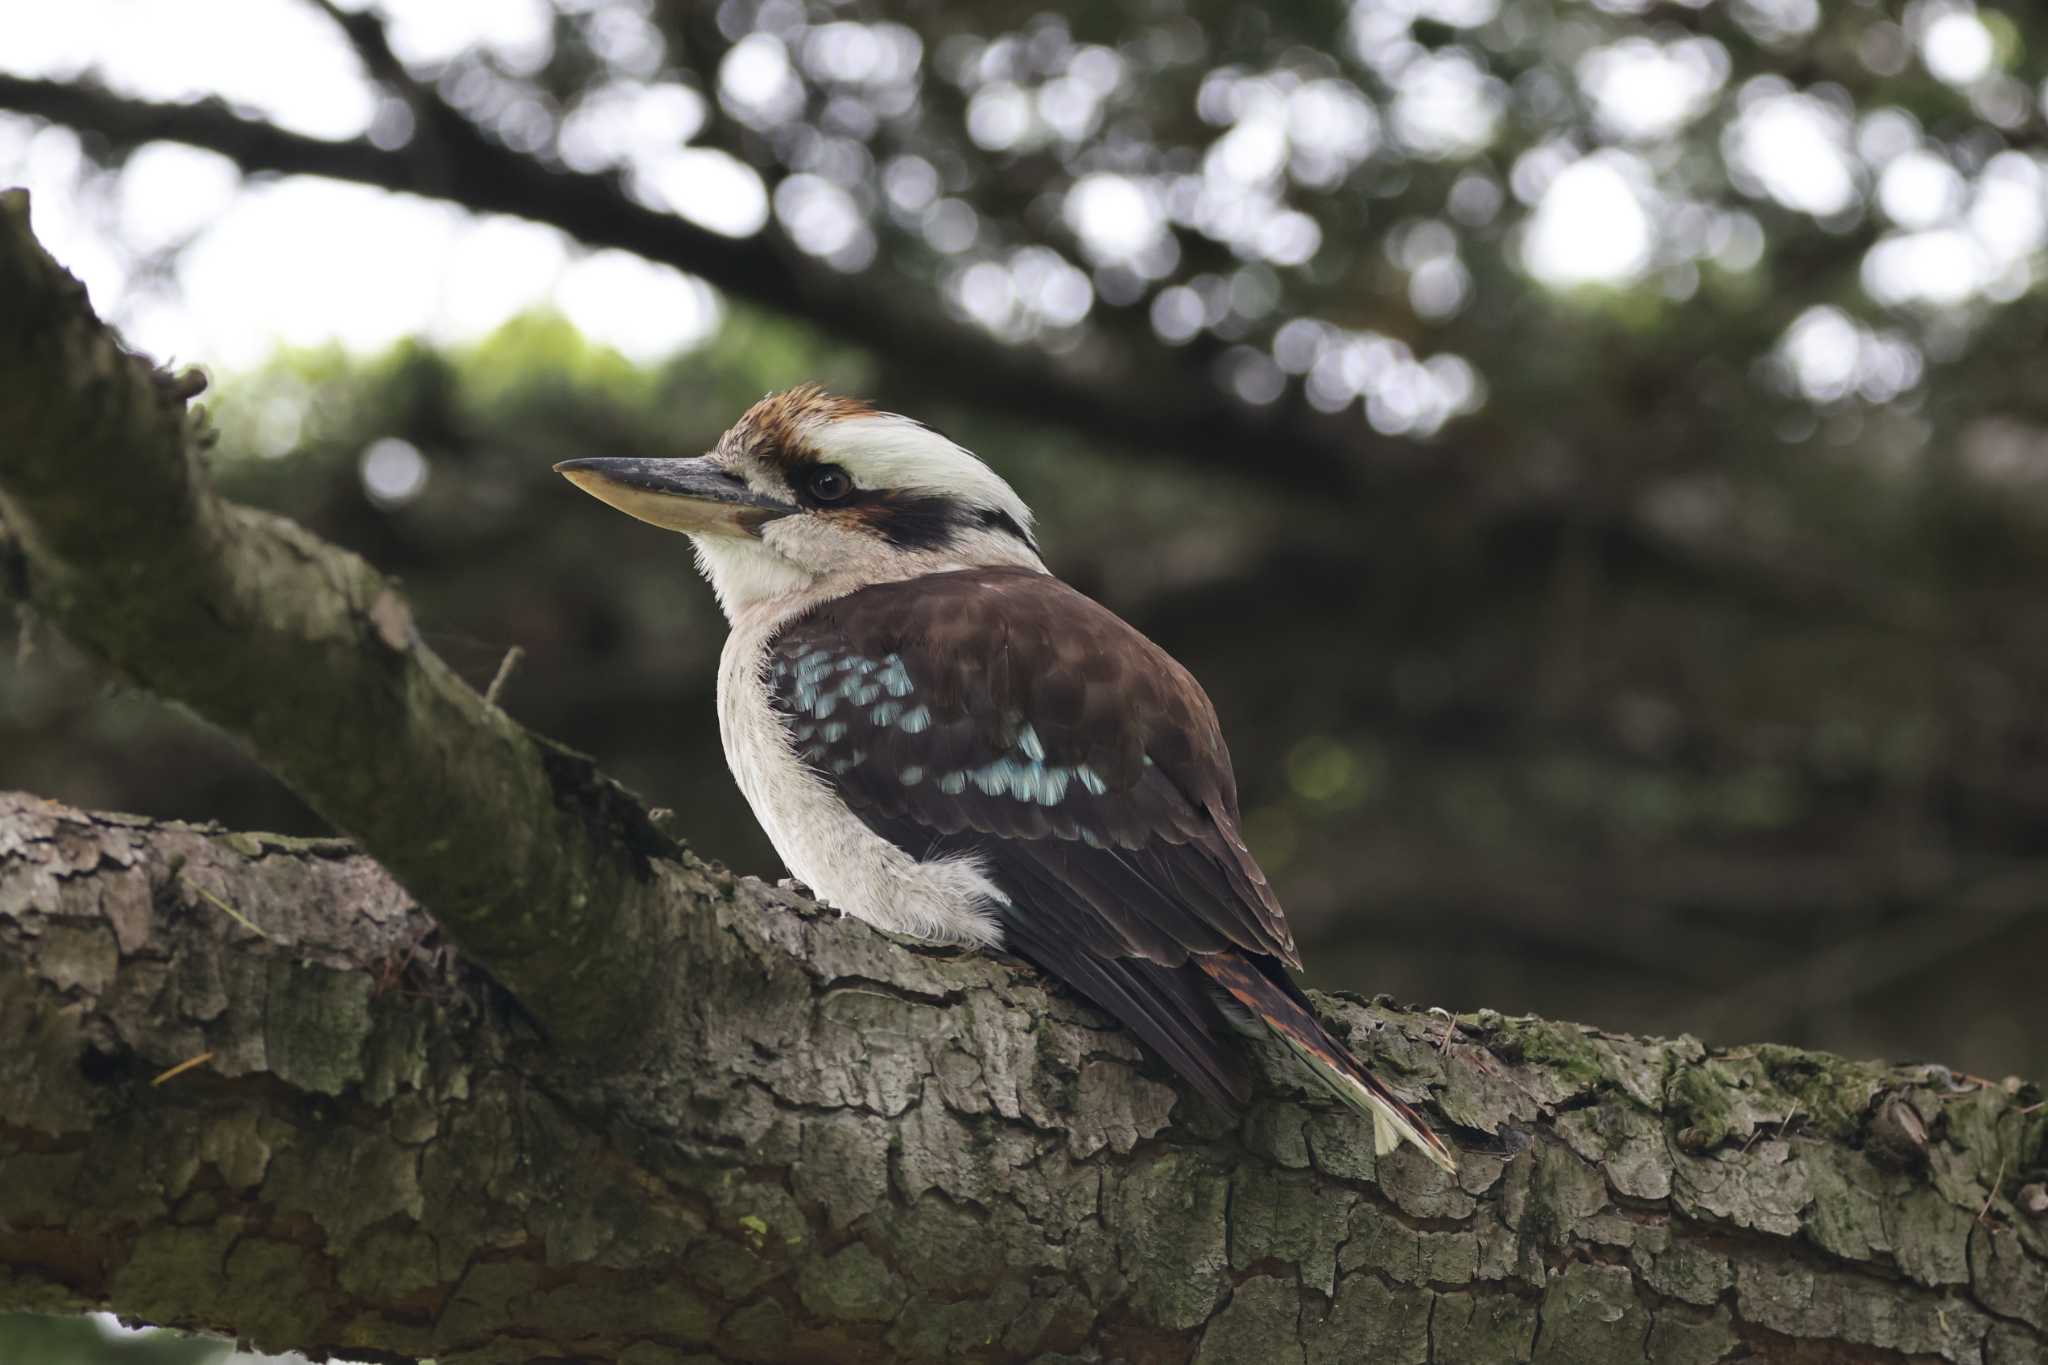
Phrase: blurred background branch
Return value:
(1155, 409)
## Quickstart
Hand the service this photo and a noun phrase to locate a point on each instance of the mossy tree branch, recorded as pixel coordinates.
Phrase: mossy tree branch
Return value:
(310, 656)
(243, 1090)
(854, 1151)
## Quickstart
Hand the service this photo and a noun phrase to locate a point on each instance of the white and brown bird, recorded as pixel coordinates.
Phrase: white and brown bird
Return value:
(945, 740)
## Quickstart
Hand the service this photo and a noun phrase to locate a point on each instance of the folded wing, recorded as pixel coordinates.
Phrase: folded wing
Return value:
(999, 713)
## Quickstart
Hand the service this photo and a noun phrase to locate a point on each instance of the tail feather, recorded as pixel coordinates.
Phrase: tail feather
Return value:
(1288, 1017)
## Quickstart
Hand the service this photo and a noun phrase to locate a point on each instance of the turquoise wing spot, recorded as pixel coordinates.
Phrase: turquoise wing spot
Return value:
(911, 776)
(808, 680)
(994, 779)
(1044, 785)
(893, 678)
(1027, 742)
(886, 713)
(1035, 782)
(916, 720)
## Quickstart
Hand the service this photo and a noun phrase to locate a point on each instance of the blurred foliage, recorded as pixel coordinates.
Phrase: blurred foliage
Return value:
(1675, 665)
(29, 1340)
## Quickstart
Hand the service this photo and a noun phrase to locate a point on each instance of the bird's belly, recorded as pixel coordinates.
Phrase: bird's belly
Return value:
(822, 842)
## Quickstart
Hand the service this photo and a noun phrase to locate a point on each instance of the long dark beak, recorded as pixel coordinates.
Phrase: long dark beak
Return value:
(682, 495)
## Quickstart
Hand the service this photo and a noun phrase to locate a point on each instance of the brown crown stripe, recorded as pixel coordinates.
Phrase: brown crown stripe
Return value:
(772, 430)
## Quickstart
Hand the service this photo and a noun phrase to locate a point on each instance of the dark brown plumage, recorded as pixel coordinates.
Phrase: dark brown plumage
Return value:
(1000, 713)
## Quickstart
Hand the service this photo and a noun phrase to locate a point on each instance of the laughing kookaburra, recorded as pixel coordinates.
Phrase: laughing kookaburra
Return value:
(946, 741)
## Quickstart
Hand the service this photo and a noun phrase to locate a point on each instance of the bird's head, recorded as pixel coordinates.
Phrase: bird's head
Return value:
(811, 491)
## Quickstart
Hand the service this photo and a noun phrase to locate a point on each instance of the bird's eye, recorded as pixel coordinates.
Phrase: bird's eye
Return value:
(828, 483)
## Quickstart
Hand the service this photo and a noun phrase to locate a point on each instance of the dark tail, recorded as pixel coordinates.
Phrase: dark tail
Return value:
(1282, 1009)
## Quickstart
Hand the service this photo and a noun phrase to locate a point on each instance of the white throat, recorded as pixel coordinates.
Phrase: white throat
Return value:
(744, 573)
(752, 576)
(823, 843)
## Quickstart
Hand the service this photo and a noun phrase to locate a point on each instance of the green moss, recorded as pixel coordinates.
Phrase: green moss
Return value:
(248, 845)
(1830, 1094)
(1565, 1049)
(1699, 1106)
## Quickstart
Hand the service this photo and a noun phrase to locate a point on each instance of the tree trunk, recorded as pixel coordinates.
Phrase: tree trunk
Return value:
(653, 1113)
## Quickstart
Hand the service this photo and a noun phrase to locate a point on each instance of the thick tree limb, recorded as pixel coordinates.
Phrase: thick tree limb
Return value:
(309, 655)
(852, 1151)
(1162, 410)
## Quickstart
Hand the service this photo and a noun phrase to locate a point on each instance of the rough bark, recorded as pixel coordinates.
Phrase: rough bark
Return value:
(240, 1093)
(851, 1149)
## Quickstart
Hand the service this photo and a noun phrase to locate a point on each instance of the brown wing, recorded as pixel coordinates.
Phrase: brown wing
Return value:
(999, 713)
(1000, 710)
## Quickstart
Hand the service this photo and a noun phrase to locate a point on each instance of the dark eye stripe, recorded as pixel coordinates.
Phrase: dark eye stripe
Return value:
(908, 521)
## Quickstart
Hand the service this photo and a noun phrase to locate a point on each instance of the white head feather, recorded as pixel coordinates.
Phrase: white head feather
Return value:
(808, 558)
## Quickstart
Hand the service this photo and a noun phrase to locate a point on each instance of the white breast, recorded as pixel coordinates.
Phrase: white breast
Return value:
(824, 844)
